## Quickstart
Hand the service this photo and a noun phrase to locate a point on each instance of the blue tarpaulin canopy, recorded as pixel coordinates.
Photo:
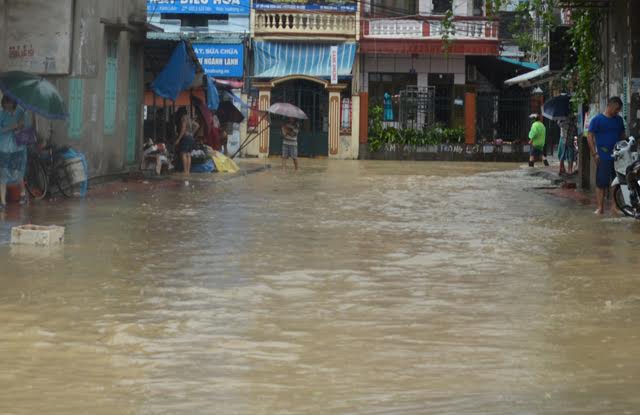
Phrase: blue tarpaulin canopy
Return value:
(213, 99)
(276, 59)
(177, 75)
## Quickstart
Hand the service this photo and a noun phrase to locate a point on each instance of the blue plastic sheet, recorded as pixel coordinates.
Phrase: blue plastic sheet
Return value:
(213, 99)
(233, 97)
(71, 153)
(177, 76)
(206, 167)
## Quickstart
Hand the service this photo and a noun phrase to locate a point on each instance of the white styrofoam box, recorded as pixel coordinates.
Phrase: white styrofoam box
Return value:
(37, 235)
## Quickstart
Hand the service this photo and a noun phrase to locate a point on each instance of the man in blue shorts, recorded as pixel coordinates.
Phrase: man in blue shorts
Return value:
(605, 130)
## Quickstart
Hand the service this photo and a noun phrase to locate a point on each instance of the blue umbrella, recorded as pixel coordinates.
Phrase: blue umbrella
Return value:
(557, 108)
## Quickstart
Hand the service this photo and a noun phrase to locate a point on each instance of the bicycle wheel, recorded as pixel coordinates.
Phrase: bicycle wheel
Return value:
(66, 186)
(36, 180)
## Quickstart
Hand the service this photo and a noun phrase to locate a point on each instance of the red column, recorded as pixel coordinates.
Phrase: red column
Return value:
(470, 118)
(364, 117)
(426, 29)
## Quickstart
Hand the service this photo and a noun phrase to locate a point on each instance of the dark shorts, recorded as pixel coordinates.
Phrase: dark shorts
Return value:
(536, 152)
(289, 150)
(186, 144)
(605, 173)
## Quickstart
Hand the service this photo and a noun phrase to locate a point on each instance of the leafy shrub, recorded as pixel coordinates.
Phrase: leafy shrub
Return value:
(381, 136)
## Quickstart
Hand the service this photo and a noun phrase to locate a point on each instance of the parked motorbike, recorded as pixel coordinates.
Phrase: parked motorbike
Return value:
(627, 167)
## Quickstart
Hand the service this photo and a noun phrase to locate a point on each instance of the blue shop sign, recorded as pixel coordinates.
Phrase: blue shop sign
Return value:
(198, 6)
(318, 5)
(221, 60)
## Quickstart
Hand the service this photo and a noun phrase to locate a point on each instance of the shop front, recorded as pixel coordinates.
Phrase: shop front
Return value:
(312, 98)
(315, 77)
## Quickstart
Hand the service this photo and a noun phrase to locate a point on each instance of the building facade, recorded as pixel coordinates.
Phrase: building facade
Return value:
(92, 51)
(303, 53)
(620, 71)
(218, 32)
(407, 44)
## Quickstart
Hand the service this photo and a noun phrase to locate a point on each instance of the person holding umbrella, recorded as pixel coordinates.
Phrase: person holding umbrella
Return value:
(290, 132)
(13, 157)
(566, 147)
(35, 94)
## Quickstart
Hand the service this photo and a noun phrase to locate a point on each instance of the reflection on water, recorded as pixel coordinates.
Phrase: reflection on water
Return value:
(348, 288)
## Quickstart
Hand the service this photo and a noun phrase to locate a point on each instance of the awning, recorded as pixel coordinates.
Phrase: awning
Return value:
(278, 59)
(532, 78)
(529, 65)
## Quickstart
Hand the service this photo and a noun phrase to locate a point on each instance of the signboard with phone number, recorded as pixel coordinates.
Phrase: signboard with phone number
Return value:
(238, 7)
(319, 5)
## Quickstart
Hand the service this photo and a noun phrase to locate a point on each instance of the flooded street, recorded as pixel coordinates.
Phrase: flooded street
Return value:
(348, 288)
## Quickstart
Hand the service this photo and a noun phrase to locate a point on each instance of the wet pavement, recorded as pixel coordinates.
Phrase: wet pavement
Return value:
(346, 288)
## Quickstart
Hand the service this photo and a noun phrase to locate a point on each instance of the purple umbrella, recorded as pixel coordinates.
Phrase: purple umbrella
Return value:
(287, 110)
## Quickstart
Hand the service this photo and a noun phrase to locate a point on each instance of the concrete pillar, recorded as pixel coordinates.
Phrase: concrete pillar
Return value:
(334, 122)
(264, 102)
(585, 164)
(355, 126)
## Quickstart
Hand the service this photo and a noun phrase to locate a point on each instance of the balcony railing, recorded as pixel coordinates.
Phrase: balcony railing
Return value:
(300, 23)
(463, 29)
(395, 28)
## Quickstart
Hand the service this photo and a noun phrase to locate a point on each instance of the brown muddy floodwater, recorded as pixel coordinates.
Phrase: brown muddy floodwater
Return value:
(349, 288)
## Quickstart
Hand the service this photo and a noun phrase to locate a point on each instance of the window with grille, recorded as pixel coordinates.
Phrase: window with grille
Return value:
(442, 6)
(393, 8)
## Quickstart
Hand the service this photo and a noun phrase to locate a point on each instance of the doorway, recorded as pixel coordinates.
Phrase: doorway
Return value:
(443, 84)
(313, 99)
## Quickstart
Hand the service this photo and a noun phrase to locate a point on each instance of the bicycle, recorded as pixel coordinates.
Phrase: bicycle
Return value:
(46, 167)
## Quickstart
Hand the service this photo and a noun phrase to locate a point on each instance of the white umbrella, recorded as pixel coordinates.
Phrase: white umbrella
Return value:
(287, 110)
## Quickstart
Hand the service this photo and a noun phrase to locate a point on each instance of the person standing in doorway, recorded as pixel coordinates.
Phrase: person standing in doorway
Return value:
(537, 140)
(290, 130)
(605, 130)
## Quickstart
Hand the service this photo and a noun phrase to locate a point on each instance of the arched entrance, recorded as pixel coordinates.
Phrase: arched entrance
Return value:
(312, 98)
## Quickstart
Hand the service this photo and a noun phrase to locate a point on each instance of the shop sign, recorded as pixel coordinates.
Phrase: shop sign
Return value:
(221, 60)
(325, 5)
(334, 64)
(198, 6)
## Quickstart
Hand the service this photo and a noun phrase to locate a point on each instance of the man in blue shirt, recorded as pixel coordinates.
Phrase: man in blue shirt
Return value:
(605, 130)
